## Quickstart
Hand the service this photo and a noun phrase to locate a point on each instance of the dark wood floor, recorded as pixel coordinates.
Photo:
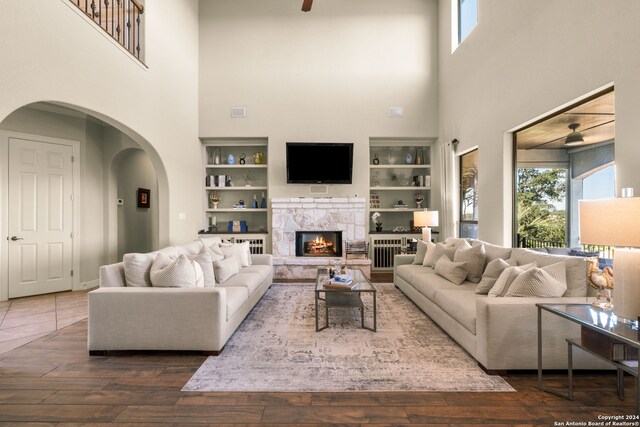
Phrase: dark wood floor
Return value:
(52, 380)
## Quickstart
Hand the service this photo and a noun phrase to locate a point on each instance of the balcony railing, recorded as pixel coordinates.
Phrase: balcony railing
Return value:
(526, 242)
(121, 19)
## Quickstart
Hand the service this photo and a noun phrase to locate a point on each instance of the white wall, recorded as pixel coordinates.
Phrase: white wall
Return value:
(52, 53)
(327, 75)
(524, 59)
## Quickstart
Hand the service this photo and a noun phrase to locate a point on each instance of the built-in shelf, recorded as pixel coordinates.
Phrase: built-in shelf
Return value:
(237, 188)
(248, 210)
(234, 166)
(405, 166)
(409, 187)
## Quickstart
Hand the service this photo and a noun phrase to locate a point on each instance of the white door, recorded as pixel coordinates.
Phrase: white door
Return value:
(40, 215)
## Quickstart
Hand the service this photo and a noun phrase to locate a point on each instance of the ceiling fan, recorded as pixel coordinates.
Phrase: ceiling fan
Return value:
(306, 5)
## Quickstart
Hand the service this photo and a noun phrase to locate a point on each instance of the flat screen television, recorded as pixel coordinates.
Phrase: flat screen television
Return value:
(319, 163)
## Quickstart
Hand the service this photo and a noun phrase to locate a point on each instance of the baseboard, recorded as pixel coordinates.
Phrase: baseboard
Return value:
(91, 284)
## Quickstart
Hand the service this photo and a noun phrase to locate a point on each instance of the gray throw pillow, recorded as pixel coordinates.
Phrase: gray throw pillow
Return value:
(421, 251)
(455, 272)
(474, 257)
(225, 268)
(491, 274)
(439, 249)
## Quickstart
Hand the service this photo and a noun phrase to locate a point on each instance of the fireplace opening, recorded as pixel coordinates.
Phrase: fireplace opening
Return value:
(319, 243)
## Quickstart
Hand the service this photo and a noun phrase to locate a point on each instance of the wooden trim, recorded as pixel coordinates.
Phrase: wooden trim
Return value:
(139, 6)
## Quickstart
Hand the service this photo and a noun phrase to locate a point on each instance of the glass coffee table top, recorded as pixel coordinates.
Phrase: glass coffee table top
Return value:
(346, 297)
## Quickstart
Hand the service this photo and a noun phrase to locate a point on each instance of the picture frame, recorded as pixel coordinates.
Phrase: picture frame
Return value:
(144, 196)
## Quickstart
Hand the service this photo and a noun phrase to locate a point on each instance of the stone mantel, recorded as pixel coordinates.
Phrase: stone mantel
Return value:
(289, 215)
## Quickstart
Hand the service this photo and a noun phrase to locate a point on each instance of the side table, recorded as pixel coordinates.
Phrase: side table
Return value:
(623, 340)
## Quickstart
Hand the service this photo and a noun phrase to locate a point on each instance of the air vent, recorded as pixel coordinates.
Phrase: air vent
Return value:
(238, 112)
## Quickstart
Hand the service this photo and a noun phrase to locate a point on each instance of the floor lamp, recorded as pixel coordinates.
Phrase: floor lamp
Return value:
(614, 222)
(425, 219)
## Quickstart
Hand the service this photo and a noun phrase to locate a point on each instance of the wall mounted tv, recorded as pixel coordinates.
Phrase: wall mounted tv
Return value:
(319, 163)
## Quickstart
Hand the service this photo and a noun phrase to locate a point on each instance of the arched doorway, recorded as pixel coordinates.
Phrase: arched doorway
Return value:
(100, 139)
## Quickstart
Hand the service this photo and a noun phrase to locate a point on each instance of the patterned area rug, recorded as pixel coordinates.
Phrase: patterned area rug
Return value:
(276, 348)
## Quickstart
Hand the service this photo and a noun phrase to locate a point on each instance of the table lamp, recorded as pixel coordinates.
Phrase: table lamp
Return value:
(614, 222)
(425, 219)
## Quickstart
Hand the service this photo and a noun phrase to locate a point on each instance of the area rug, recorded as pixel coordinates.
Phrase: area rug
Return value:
(276, 348)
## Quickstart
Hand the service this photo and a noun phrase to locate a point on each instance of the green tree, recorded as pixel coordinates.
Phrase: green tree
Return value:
(537, 191)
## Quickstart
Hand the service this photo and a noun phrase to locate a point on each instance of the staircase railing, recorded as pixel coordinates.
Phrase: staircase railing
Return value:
(121, 19)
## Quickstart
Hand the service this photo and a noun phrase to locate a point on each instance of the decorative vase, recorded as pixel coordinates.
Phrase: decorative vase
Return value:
(214, 199)
(409, 159)
(263, 203)
(419, 157)
(257, 158)
(216, 156)
(379, 228)
(231, 159)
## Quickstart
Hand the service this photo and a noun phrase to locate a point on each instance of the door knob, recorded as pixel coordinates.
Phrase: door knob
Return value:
(14, 238)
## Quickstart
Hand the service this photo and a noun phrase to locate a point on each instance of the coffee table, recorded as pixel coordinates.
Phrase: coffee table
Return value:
(344, 297)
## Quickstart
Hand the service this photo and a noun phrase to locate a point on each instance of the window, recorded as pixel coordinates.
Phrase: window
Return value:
(467, 17)
(469, 194)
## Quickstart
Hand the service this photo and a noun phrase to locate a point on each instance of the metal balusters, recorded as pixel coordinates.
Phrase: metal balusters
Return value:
(121, 19)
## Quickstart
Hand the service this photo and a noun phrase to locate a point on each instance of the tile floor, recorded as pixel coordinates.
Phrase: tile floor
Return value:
(23, 320)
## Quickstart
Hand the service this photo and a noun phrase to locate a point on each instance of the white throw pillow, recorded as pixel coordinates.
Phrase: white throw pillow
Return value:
(549, 281)
(454, 272)
(206, 264)
(474, 257)
(421, 251)
(209, 241)
(241, 252)
(180, 272)
(137, 268)
(225, 268)
(506, 279)
(490, 275)
(214, 251)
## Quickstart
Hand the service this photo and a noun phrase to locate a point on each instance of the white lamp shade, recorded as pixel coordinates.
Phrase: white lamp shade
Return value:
(425, 218)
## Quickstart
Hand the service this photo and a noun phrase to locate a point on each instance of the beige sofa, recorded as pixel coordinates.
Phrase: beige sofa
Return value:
(500, 332)
(151, 318)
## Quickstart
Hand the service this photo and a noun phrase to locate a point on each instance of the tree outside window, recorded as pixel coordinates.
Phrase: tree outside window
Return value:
(469, 194)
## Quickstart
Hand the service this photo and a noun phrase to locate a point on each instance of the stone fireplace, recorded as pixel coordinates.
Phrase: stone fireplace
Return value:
(345, 216)
(319, 243)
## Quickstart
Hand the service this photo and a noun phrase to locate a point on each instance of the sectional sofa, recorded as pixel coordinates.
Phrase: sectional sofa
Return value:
(499, 332)
(144, 317)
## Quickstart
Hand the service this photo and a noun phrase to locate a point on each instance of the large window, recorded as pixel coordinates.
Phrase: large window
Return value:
(469, 194)
(467, 17)
(541, 207)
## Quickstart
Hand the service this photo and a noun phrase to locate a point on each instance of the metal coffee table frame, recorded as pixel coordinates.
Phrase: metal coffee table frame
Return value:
(344, 298)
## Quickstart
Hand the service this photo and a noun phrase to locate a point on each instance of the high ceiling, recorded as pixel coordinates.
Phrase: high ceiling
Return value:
(597, 124)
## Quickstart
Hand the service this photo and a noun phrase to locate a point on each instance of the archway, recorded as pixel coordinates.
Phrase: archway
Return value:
(101, 139)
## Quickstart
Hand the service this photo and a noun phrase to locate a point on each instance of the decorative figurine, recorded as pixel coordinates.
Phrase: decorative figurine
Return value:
(231, 159)
(601, 281)
(214, 199)
(242, 159)
(254, 204)
(419, 198)
(376, 160)
(409, 159)
(263, 203)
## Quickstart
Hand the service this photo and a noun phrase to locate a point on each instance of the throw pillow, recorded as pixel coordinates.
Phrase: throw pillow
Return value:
(421, 251)
(225, 268)
(137, 268)
(209, 241)
(241, 252)
(214, 251)
(474, 257)
(439, 249)
(180, 272)
(549, 281)
(206, 264)
(506, 279)
(491, 274)
(454, 272)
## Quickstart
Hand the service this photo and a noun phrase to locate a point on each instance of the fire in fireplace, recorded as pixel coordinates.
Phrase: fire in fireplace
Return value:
(319, 243)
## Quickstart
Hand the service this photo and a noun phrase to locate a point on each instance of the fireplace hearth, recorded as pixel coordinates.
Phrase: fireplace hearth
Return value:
(319, 243)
